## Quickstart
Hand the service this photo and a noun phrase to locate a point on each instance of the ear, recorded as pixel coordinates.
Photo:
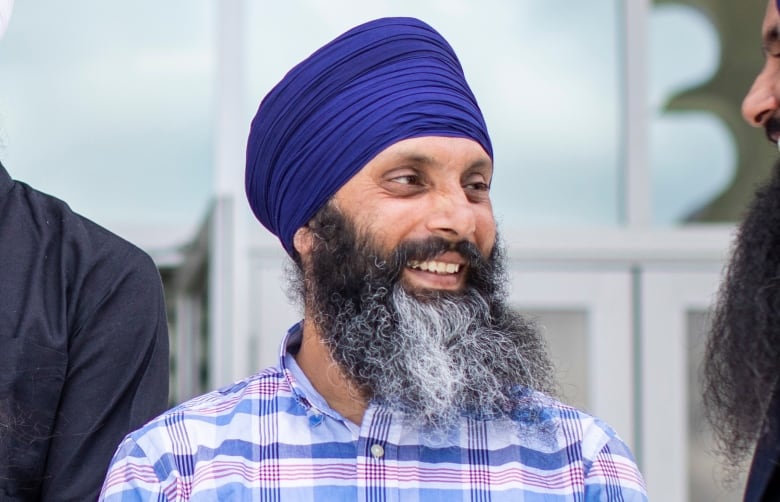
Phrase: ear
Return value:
(303, 240)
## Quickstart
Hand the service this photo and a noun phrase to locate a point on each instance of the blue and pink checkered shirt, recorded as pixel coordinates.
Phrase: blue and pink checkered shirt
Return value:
(271, 437)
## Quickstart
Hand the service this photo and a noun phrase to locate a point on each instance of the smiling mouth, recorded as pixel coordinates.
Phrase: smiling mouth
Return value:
(436, 267)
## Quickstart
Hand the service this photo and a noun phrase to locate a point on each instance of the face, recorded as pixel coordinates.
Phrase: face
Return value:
(421, 188)
(761, 106)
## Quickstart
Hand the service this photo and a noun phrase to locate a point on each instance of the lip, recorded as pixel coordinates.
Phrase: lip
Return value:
(425, 280)
(450, 257)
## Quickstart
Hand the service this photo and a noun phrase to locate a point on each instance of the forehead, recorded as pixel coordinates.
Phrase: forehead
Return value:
(434, 150)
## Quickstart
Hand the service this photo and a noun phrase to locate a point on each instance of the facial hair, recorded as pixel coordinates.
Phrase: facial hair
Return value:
(433, 355)
(742, 359)
(772, 128)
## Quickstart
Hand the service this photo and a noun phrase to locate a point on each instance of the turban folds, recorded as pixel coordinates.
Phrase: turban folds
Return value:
(379, 83)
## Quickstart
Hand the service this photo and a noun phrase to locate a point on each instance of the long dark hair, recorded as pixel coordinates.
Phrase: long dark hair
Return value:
(742, 360)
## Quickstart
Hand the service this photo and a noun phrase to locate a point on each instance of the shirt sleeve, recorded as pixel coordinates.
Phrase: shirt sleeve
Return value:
(614, 475)
(132, 477)
(117, 377)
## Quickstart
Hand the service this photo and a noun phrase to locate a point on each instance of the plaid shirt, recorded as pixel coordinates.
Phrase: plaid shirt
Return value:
(271, 437)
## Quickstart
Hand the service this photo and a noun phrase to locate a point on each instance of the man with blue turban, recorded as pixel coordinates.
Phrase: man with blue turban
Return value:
(410, 377)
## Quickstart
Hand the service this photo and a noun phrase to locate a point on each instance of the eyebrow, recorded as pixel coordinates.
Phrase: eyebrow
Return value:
(771, 41)
(418, 158)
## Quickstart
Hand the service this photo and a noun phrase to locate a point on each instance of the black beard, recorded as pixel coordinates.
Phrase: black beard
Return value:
(742, 360)
(433, 355)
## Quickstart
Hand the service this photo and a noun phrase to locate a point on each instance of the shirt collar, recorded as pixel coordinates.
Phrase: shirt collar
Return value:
(302, 389)
(5, 180)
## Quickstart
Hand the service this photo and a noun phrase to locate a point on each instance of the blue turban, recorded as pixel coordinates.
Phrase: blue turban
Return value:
(379, 83)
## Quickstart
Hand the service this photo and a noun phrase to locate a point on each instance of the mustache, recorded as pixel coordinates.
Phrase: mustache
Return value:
(425, 249)
(431, 247)
(772, 128)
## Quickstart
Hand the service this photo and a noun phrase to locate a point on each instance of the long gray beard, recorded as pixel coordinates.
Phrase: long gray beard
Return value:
(433, 355)
(441, 357)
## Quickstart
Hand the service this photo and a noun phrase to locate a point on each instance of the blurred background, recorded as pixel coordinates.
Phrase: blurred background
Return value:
(622, 164)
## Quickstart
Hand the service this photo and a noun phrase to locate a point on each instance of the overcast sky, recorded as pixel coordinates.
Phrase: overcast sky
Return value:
(110, 105)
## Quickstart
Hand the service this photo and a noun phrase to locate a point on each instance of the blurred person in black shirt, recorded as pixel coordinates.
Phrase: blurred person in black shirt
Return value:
(83, 344)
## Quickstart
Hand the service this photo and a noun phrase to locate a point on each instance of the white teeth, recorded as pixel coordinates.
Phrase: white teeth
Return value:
(437, 267)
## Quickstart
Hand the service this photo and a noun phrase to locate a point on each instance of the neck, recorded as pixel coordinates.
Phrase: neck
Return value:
(326, 376)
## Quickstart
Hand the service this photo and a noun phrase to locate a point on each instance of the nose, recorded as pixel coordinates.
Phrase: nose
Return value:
(452, 216)
(761, 102)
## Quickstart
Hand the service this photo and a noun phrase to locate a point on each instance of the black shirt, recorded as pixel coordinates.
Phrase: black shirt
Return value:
(763, 483)
(83, 346)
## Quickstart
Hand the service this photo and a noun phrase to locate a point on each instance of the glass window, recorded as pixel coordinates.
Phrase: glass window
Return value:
(705, 161)
(108, 106)
(566, 333)
(546, 78)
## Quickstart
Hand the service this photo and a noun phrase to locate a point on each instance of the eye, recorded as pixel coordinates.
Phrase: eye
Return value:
(407, 179)
(477, 182)
(771, 48)
(480, 186)
(404, 182)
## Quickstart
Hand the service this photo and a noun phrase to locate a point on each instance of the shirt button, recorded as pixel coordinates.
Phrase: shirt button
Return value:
(377, 451)
(315, 420)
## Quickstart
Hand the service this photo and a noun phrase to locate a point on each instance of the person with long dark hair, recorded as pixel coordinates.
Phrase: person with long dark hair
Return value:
(742, 359)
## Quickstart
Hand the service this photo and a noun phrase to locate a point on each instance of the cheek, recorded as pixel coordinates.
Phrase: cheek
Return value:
(395, 216)
(486, 232)
(387, 225)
